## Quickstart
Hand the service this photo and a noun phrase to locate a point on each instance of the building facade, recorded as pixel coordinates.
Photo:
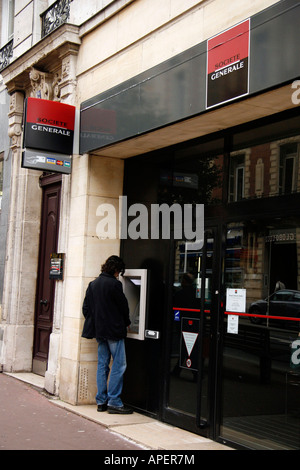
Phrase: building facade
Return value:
(199, 105)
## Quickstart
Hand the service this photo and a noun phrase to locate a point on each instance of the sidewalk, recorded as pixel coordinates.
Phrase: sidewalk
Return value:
(140, 429)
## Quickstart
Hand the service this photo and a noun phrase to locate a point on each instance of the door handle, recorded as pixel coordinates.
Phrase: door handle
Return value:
(44, 302)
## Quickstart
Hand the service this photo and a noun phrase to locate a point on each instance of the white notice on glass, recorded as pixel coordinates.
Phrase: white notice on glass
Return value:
(235, 302)
(233, 324)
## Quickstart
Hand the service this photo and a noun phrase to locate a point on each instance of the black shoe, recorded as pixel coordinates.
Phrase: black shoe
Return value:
(121, 410)
(102, 407)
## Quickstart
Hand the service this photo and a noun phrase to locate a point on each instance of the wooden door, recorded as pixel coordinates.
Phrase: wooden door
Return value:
(45, 287)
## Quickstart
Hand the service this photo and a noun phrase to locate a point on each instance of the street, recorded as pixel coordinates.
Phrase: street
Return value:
(30, 421)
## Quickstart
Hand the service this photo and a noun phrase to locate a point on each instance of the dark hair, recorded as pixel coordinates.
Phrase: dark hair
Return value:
(112, 265)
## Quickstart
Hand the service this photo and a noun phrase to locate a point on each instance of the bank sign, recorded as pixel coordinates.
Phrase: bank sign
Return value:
(48, 133)
(228, 65)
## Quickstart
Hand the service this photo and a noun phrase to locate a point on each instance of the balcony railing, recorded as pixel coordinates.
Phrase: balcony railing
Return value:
(55, 16)
(6, 52)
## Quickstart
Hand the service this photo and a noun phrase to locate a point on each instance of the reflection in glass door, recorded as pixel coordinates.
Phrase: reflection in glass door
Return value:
(191, 332)
(261, 361)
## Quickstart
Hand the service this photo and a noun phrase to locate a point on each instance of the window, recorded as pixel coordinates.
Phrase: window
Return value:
(236, 177)
(260, 356)
(11, 14)
(281, 297)
(271, 160)
(7, 10)
(288, 168)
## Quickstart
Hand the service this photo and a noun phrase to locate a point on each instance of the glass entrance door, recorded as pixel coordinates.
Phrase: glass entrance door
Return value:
(261, 357)
(192, 334)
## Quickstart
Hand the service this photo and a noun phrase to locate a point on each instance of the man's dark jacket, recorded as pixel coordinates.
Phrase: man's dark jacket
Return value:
(105, 309)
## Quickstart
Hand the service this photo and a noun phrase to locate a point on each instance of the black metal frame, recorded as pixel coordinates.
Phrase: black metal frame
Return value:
(175, 417)
(6, 53)
(56, 15)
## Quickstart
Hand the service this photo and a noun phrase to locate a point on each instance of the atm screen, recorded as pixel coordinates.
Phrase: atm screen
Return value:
(135, 281)
(133, 294)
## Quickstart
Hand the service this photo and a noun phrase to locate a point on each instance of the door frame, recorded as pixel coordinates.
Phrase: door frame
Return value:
(47, 182)
(176, 417)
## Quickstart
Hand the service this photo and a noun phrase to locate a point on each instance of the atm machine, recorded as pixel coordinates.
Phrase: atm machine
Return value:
(135, 287)
(143, 353)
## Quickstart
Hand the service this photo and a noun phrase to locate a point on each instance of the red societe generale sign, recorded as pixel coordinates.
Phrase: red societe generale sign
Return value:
(228, 64)
(49, 125)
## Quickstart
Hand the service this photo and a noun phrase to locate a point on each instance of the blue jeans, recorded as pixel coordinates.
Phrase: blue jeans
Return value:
(110, 394)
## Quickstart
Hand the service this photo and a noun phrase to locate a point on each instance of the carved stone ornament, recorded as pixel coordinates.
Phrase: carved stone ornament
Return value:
(45, 85)
(56, 87)
(15, 117)
(41, 84)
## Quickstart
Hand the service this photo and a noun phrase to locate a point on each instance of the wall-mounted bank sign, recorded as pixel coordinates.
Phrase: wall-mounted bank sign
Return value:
(49, 125)
(228, 65)
(48, 135)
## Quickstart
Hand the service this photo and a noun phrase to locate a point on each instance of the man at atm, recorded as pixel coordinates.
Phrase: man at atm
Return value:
(107, 306)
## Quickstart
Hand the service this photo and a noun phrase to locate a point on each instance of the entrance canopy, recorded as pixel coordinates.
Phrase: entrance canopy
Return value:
(239, 75)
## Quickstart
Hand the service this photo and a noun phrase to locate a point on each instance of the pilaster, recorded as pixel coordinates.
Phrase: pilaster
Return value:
(22, 252)
(95, 180)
